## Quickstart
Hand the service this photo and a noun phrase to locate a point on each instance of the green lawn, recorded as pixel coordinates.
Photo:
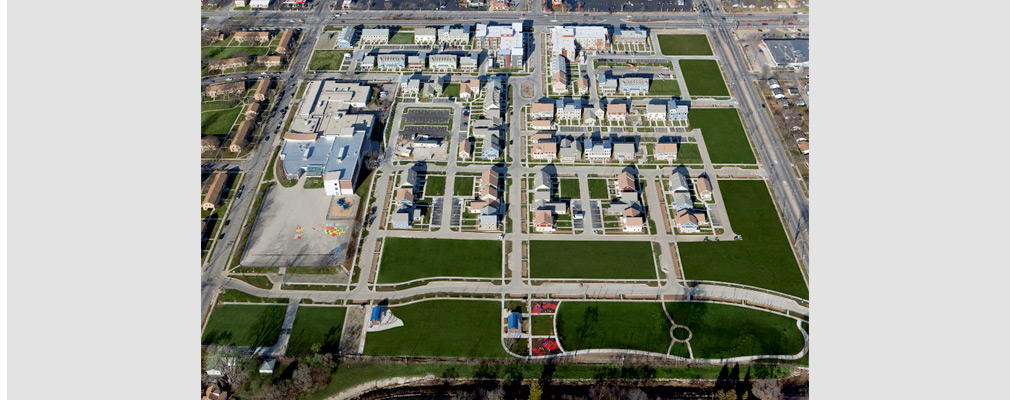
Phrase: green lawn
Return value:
(327, 60)
(703, 78)
(218, 53)
(350, 373)
(723, 133)
(313, 183)
(598, 189)
(763, 258)
(684, 45)
(688, 153)
(569, 188)
(451, 90)
(244, 325)
(665, 87)
(542, 324)
(724, 331)
(218, 105)
(316, 325)
(259, 281)
(218, 123)
(463, 186)
(613, 325)
(434, 186)
(441, 328)
(402, 38)
(591, 259)
(405, 259)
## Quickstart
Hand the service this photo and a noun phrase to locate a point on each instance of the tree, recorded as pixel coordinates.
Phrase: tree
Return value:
(536, 392)
(303, 377)
(726, 395)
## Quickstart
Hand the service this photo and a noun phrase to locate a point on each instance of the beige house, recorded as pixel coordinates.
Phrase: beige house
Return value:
(261, 89)
(252, 111)
(543, 221)
(284, 46)
(626, 182)
(228, 63)
(241, 138)
(544, 151)
(469, 89)
(542, 124)
(666, 151)
(632, 220)
(224, 89)
(704, 188)
(466, 149)
(259, 36)
(213, 197)
(688, 221)
(209, 143)
(270, 61)
(489, 178)
(617, 112)
(489, 193)
(542, 110)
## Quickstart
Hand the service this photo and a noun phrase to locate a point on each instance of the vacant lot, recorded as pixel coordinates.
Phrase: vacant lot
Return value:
(405, 259)
(763, 258)
(688, 153)
(451, 90)
(327, 60)
(613, 325)
(244, 325)
(684, 45)
(434, 186)
(463, 186)
(316, 325)
(703, 78)
(664, 87)
(441, 328)
(724, 331)
(542, 324)
(402, 38)
(569, 188)
(591, 259)
(724, 135)
(598, 189)
(218, 123)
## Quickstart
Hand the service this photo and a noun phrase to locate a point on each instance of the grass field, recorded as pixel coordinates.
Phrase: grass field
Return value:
(665, 87)
(703, 78)
(441, 328)
(218, 105)
(218, 123)
(591, 260)
(434, 186)
(724, 331)
(542, 324)
(244, 325)
(688, 153)
(405, 259)
(613, 325)
(569, 188)
(598, 189)
(463, 186)
(724, 135)
(327, 60)
(684, 45)
(763, 258)
(219, 53)
(350, 374)
(259, 281)
(316, 325)
(451, 90)
(402, 38)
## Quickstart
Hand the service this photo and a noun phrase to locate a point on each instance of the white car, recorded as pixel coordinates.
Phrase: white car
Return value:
(229, 79)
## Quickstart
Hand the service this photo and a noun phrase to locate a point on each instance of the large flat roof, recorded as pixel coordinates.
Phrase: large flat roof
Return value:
(789, 51)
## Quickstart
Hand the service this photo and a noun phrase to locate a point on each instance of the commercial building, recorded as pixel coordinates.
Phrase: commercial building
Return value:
(565, 38)
(787, 53)
(324, 139)
(504, 42)
(375, 35)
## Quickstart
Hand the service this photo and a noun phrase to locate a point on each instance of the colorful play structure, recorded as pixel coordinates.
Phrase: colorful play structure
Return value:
(343, 203)
(548, 346)
(549, 307)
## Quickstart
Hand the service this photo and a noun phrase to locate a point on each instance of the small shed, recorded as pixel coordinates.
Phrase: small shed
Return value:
(268, 366)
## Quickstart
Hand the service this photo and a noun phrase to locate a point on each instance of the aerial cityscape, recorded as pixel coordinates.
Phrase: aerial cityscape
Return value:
(504, 199)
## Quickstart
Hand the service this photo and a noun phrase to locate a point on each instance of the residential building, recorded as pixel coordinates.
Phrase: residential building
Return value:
(261, 89)
(655, 112)
(402, 218)
(240, 3)
(542, 111)
(469, 89)
(228, 63)
(682, 201)
(454, 36)
(773, 83)
(270, 61)
(565, 38)
(469, 62)
(542, 124)
(678, 183)
(559, 74)
(345, 39)
(633, 85)
(544, 150)
(224, 89)
(285, 43)
(804, 146)
(432, 89)
(605, 84)
(624, 151)
(209, 143)
(489, 193)
(688, 221)
(543, 221)
(488, 178)
(324, 139)
(256, 36)
(583, 85)
(213, 391)
(259, 3)
(241, 138)
(375, 35)
(666, 151)
(492, 148)
(499, 5)
(778, 93)
(487, 221)
(704, 188)
(598, 150)
(793, 91)
(505, 42)
(571, 150)
(631, 220)
(410, 86)
(492, 96)
(466, 149)
(416, 62)
(631, 36)
(678, 111)
(617, 112)
(252, 111)
(214, 190)
(404, 196)
(367, 62)
(477, 205)
(391, 61)
(569, 111)
(626, 182)
(425, 35)
(542, 182)
(442, 62)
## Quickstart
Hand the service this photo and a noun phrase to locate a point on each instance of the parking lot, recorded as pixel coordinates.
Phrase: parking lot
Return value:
(436, 213)
(434, 131)
(426, 116)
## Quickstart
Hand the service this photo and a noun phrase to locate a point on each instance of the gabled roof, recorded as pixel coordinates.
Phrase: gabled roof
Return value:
(703, 184)
(625, 180)
(543, 218)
